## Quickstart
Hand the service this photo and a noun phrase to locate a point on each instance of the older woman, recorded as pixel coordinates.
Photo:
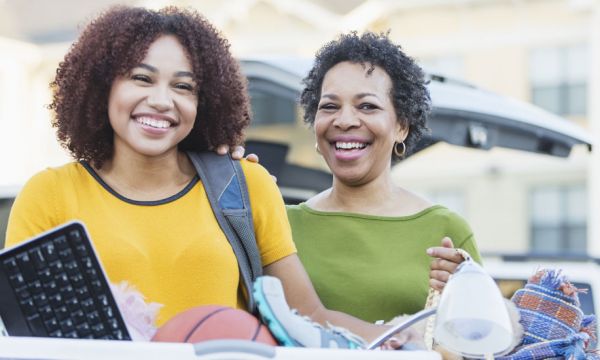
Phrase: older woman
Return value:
(365, 241)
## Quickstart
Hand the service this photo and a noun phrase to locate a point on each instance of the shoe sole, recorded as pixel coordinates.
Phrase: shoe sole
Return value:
(268, 316)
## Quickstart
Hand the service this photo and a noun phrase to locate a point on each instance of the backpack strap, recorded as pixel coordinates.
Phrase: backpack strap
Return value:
(227, 192)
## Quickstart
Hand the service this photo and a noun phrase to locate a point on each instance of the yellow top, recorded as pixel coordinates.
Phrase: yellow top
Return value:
(172, 250)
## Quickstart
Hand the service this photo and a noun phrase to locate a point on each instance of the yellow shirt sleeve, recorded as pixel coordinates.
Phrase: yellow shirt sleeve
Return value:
(35, 209)
(271, 226)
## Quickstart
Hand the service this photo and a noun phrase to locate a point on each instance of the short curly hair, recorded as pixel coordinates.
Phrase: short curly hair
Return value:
(117, 41)
(409, 92)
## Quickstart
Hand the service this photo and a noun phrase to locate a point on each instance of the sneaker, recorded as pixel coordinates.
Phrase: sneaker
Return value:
(292, 329)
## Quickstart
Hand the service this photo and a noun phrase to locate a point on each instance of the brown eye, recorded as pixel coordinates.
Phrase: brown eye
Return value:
(368, 106)
(328, 106)
(143, 78)
(184, 86)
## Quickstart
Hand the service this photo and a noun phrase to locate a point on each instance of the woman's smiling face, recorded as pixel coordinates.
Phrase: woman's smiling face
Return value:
(153, 107)
(356, 125)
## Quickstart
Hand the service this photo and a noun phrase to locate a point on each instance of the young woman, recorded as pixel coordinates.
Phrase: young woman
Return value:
(366, 242)
(135, 91)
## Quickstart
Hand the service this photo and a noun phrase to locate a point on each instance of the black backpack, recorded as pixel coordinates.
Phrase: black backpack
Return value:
(225, 186)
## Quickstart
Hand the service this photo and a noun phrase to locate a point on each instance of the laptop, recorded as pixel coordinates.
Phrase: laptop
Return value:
(54, 286)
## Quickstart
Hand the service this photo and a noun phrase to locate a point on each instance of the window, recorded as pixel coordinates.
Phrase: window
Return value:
(271, 103)
(559, 79)
(558, 219)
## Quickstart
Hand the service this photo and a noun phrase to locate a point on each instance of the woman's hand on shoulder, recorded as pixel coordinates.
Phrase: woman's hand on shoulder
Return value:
(446, 260)
(237, 153)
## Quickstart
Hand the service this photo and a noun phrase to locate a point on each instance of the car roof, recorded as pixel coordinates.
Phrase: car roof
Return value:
(462, 114)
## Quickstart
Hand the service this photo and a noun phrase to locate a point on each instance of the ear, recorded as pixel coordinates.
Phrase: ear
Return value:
(401, 132)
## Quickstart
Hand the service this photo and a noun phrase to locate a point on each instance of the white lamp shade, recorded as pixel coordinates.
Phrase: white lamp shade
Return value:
(472, 318)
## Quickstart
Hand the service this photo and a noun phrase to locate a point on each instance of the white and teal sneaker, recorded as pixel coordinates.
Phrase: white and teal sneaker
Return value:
(292, 329)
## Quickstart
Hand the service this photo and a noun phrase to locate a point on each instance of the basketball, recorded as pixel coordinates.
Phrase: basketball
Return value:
(213, 322)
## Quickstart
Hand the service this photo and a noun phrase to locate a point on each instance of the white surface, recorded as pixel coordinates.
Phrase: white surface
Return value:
(44, 348)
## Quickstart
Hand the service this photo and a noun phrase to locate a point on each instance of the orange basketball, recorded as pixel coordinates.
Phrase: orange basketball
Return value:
(213, 322)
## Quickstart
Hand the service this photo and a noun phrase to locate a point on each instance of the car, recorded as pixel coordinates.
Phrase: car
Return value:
(512, 271)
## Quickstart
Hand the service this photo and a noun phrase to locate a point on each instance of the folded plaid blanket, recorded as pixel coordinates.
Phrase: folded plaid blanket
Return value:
(553, 323)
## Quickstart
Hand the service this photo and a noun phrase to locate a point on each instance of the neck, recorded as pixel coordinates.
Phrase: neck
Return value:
(373, 197)
(147, 178)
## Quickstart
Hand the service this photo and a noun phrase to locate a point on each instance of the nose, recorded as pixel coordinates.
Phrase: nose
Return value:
(347, 118)
(160, 99)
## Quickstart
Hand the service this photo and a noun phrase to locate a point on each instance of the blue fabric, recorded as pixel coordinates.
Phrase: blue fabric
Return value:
(554, 326)
(231, 198)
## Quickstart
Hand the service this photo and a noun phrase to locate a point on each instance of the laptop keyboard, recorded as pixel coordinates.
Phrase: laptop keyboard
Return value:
(58, 289)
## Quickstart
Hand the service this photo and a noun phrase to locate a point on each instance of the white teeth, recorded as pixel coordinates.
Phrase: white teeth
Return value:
(349, 145)
(156, 123)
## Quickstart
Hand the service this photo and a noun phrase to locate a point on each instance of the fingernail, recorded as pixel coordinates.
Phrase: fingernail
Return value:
(430, 251)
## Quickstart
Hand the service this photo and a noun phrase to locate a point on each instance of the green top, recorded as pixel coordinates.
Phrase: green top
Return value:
(374, 267)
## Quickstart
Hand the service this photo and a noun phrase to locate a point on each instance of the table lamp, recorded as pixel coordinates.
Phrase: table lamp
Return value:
(472, 317)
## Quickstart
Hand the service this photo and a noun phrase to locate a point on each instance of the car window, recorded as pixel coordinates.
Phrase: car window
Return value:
(586, 297)
(5, 205)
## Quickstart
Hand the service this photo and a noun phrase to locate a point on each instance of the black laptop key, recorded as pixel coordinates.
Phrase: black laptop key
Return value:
(71, 267)
(36, 324)
(17, 280)
(53, 285)
(83, 293)
(40, 300)
(28, 306)
(45, 275)
(50, 251)
(77, 280)
(61, 313)
(62, 280)
(26, 266)
(35, 287)
(56, 267)
(66, 255)
(71, 335)
(10, 266)
(88, 305)
(79, 317)
(102, 300)
(61, 242)
(38, 258)
(22, 293)
(67, 325)
(51, 325)
(57, 334)
(81, 250)
(46, 312)
(99, 330)
(93, 318)
(76, 237)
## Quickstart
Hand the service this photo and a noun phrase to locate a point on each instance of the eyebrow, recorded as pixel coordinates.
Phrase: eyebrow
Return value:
(155, 70)
(357, 96)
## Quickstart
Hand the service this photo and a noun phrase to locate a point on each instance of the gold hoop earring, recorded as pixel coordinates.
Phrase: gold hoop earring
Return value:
(317, 148)
(399, 154)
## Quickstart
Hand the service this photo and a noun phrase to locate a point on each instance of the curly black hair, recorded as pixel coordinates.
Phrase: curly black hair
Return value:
(117, 41)
(409, 93)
